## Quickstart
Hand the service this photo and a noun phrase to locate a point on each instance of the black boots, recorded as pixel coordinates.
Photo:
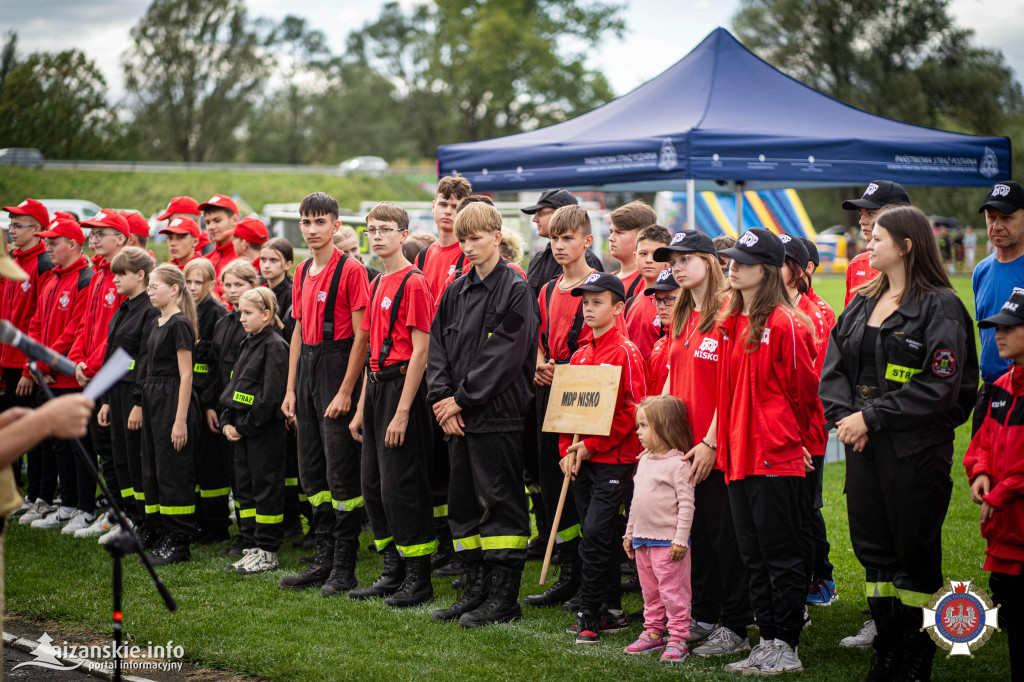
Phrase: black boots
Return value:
(343, 572)
(173, 551)
(317, 572)
(474, 594)
(416, 588)
(903, 652)
(390, 579)
(918, 647)
(565, 587)
(502, 605)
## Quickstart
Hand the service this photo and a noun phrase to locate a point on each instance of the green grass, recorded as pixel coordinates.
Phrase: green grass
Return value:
(249, 625)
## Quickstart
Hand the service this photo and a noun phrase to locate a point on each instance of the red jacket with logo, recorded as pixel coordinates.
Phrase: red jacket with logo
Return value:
(858, 272)
(621, 445)
(18, 299)
(91, 341)
(998, 451)
(63, 299)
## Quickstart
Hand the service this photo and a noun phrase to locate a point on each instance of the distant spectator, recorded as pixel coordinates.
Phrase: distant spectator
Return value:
(721, 244)
(970, 248)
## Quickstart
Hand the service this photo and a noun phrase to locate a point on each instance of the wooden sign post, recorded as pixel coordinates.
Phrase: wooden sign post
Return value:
(582, 401)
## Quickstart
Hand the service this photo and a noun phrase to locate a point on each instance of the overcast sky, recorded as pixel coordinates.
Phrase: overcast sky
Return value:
(659, 32)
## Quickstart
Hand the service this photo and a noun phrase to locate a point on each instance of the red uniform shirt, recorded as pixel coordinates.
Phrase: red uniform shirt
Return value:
(438, 263)
(557, 320)
(828, 321)
(621, 445)
(91, 341)
(221, 255)
(657, 366)
(309, 298)
(643, 326)
(635, 281)
(62, 303)
(693, 375)
(416, 310)
(858, 272)
(18, 299)
(768, 406)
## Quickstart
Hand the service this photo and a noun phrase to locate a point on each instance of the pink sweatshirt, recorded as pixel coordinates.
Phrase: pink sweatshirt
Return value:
(662, 499)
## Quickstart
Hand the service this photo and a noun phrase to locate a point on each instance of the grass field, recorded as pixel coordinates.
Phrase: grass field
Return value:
(250, 626)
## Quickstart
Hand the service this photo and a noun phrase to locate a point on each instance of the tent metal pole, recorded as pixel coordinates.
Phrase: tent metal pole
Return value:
(691, 204)
(739, 208)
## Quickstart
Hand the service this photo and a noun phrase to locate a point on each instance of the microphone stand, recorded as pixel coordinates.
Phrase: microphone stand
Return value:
(126, 541)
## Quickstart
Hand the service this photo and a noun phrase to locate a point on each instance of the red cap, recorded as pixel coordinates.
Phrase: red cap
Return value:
(137, 224)
(180, 205)
(182, 226)
(108, 217)
(65, 215)
(251, 230)
(63, 227)
(31, 208)
(219, 201)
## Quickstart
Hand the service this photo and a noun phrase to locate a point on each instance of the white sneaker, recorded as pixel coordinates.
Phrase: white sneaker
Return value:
(101, 525)
(26, 506)
(262, 561)
(247, 556)
(38, 511)
(55, 519)
(112, 532)
(782, 659)
(863, 639)
(752, 663)
(80, 520)
(807, 616)
(721, 642)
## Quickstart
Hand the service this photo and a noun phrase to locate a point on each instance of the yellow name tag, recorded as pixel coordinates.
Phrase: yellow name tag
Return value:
(243, 398)
(899, 373)
(201, 368)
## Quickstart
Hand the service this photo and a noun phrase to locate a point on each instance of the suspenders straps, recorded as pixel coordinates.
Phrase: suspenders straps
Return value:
(332, 293)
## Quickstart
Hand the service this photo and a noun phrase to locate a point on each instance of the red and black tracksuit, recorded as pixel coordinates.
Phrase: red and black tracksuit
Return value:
(605, 480)
(719, 577)
(63, 299)
(482, 354)
(396, 480)
(768, 412)
(251, 402)
(17, 306)
(128, 329)
(213, 457)
(997, 450)
(90, 347)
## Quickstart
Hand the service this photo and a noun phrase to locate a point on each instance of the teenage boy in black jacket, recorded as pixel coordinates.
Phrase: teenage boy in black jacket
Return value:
(480, 368)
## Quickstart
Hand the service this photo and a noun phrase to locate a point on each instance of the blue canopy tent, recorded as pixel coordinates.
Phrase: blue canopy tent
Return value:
(719, 118)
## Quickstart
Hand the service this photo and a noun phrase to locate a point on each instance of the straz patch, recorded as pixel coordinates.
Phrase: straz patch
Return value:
(944, 363)
(900, 374)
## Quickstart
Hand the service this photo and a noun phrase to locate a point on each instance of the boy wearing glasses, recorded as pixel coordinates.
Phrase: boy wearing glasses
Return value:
(392, 419)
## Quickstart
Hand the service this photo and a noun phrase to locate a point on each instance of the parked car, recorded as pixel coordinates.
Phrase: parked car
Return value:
(364, 165)
(21, 156)
(80, 208)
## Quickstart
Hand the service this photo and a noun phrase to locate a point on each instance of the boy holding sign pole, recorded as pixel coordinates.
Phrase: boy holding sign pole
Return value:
(602, 466)
(480, 370)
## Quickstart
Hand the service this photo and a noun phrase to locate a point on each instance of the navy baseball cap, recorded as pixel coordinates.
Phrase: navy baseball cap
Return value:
(812, 250)
(665, 282)
(795, 249)
(757, 245)
(552, 198)
(1010, 315)
(601, 281)
(685, 241)
(1005, 197)
(877, 194)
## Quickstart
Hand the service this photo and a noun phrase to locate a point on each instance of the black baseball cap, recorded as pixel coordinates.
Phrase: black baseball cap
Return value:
(757, 245)
(812, 250)
(1005, 197)
(552, 198)
(877, 194)
(1010, 315)
(795, 249)
(601, 281)
(685, 241)
(665, 282)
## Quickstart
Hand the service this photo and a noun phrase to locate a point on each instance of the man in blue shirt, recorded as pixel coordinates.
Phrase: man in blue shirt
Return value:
(995, 278)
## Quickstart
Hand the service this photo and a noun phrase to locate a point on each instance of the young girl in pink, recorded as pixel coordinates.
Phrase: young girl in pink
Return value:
(658, 531)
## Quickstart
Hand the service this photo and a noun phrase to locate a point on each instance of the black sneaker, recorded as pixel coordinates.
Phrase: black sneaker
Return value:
(612, 620)
(587, 628)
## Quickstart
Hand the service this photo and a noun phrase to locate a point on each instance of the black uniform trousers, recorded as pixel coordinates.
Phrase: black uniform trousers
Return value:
(295, 501)
(766, 511)
(896, 507)
(1008, 595)
(10, 398)
(102, 461)
(487, 507)
(550, 476)
(329, 458)
(815, 536)
(259, 463)
(168, 475)
(62, 453)
(439, 477)
(396, 481)
(718, 575)
(126, 448)
(600, 492)
(212, 480)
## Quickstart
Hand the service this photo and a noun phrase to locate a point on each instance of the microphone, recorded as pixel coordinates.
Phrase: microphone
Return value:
(12, 336)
